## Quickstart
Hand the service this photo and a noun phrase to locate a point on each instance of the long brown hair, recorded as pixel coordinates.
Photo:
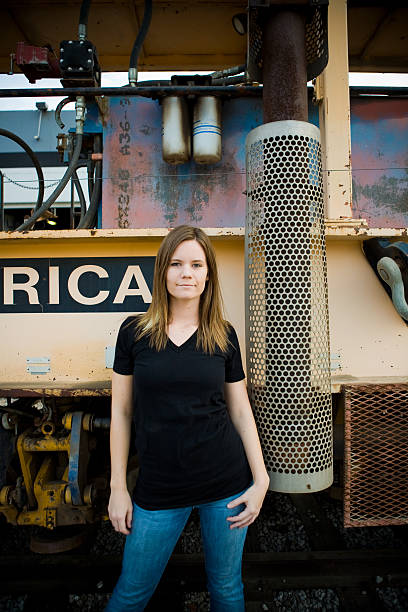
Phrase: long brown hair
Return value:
(212, 327)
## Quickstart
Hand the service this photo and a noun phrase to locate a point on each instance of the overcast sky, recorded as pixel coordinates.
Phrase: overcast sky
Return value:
(116, 79)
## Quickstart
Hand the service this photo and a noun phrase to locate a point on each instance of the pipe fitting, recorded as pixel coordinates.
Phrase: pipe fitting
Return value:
(132, 77)
(47, 428)
(80, 108)
(82, 31)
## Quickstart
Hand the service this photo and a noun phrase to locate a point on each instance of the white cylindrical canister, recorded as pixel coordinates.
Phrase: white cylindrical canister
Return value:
(287, 305)
(176, 139)
(207, 130)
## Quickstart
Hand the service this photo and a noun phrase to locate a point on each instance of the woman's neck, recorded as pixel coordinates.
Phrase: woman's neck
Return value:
(183, 313)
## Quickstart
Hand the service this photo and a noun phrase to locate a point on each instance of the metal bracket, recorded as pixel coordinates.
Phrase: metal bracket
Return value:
(78, 458)
(109, 356)
(335, 363)
(38, 365)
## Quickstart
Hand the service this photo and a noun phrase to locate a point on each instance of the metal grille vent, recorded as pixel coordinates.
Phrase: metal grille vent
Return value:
(254, 50)
(376, 455)
(317, 53)
(287, 312)
(317, 50)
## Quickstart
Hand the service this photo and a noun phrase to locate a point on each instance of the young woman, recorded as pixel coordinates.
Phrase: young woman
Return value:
(178, 373)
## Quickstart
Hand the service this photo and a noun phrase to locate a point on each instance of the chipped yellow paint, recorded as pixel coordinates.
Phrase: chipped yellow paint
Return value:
(363, 323)
(332, 92)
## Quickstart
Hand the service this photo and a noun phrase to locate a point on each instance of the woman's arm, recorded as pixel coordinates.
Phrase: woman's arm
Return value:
(241, 415)
(120, 504)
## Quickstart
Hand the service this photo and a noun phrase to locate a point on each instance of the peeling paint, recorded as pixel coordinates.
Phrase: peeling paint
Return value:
(161, 195)
(379, 137)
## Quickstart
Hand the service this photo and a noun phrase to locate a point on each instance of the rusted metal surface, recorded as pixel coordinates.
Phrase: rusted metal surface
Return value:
(284, 66)
(54, 543)
(376, 455)
(379, 154)
(141, 190)
(61, 391)
(230, 91)
(48, 443)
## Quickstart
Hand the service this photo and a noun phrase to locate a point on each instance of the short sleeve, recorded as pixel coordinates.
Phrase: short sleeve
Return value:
(123, 362)
(233, 366)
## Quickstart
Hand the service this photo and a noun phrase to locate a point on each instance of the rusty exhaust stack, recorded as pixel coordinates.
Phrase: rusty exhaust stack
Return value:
(284, 66)
(286, 278)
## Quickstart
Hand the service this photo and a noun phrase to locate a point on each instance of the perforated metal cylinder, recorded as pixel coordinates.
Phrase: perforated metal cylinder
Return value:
(286, 305)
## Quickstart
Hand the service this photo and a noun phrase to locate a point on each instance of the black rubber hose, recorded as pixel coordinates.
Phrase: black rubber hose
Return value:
(78, 187)
(33, 158)
(142, 34)
(57, 112)
(90, 165)
(89, 219)
(83, 15)
(58, 190)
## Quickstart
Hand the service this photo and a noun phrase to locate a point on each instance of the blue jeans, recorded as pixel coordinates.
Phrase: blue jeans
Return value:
(150, 544)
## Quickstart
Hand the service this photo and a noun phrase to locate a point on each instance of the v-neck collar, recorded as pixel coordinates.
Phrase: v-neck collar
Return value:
(182, 346)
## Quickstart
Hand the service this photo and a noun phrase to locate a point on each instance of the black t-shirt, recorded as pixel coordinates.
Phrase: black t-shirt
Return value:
(189, 451)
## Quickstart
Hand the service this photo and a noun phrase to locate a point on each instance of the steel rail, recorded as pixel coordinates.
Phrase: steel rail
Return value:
(262, 572)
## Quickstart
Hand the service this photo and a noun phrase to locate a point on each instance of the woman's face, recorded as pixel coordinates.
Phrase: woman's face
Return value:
(187, 272)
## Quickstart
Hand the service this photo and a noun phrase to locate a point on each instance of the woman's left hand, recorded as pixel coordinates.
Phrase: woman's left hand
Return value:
(253, 499)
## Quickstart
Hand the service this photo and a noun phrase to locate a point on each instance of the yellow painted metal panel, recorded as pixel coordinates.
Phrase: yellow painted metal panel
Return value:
(365, 329)
(332, 91)
(75, 343)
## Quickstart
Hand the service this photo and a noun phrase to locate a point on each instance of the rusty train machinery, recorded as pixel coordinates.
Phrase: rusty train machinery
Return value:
(321, 267)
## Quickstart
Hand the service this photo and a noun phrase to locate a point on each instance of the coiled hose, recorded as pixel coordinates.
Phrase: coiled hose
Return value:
(33, 158)
(58, 190)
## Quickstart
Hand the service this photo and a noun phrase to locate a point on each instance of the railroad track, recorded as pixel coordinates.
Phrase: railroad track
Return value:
(354, 575)
(263, 573)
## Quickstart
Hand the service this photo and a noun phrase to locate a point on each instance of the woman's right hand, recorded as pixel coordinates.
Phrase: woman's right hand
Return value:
(120, 510)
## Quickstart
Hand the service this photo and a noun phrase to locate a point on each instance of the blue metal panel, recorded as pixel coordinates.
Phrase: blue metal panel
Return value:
(379, 146)
(141, 190)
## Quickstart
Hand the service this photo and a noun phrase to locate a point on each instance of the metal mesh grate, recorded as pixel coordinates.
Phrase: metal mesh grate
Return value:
(317, 50)
(317, 53)
(376, 455)
(254, 46)
(287, 313)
